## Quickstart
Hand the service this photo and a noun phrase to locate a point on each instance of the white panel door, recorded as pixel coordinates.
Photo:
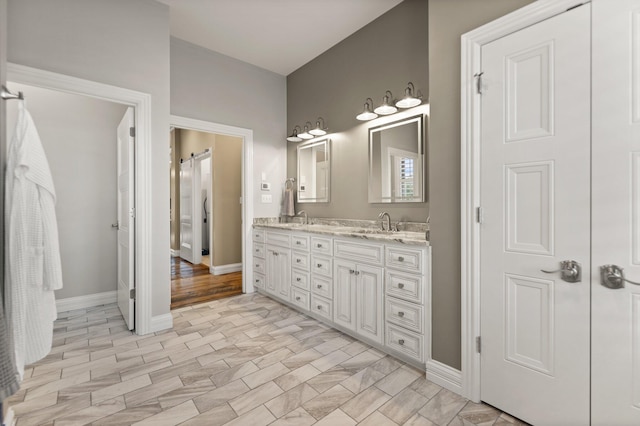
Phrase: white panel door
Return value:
(190, 227)
(126, 217)
(535, 195)
(369, 308)
(615, 374)
(344, 294)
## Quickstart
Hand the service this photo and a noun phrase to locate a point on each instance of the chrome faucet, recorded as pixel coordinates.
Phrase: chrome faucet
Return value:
(306, 218)
(382, 216)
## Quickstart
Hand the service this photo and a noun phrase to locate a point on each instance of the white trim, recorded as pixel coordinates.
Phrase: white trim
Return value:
(247, 183)
(226, 269)
(86, 301)
(445, 376)
(161, 322)
(175, 253)
(472, 43)
(142, 104)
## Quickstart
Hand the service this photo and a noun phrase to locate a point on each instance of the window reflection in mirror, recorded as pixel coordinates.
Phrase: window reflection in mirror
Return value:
(314, 169)
(396, 162)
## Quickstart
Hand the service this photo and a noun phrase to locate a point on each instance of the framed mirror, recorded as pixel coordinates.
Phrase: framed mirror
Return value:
(314, 172)
(397, 162)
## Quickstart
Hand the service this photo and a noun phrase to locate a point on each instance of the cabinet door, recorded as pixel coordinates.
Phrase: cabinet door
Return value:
(271, 270)
(369, 307)
(344, 294)
(283, 273)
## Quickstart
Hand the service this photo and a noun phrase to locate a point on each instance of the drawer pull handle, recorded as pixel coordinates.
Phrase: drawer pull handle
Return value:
(319, 265)
(400, 259)
(400, 314)
(298, 260)
(401, 342)
(257, 250)
(298, 279)
(257, 281)
(319, 307)
(319, 285)
(319, 245)
(298, 242)
(400, 285)
(297, 297)
(257, 266)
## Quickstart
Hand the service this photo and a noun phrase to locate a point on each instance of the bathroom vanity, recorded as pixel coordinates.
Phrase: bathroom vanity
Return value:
(373, 285)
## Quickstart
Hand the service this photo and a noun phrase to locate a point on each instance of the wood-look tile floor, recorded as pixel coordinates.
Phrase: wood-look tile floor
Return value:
(191, 284)
(244, 360)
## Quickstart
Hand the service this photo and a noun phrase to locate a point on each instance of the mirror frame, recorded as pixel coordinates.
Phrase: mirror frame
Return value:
(300, 185)
(421, 197)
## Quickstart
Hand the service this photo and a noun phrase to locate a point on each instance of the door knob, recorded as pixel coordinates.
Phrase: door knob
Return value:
(612, 276)
(570, 271)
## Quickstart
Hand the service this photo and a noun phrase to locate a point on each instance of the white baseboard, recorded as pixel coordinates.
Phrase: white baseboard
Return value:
(175, 253)
(87, 301)
(226, 269)
(161, 322)
(10, 419)
(445, 376)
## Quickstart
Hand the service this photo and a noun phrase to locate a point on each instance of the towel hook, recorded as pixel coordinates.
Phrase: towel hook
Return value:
(7, 94)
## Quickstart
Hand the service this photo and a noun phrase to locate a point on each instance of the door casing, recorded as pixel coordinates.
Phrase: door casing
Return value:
(472, 43)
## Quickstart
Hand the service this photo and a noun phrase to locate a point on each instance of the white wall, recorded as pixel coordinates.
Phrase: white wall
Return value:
(78, 134)
(124, 43)
(209, 86)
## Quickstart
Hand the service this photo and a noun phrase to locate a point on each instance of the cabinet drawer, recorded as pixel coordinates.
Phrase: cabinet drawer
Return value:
(322, 266)
(300, 260)
(321, 306)
(300, 242)
(405, 342)
(258, 265)
(322, 286)
(258, 235)
(300, 298)
(258, 281)
(404, 258)
(278, 239)
(405, 314)
(405, 286)
(321, 245)
(300, 279)
(258, 250)
(350, 250)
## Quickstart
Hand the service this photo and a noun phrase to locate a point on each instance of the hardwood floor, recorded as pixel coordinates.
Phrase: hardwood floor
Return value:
(194, 284)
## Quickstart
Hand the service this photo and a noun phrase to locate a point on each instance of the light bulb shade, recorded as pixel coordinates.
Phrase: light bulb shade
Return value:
(409, 101)
(306, 134)
(367, 114)
(386, 108)
(319, 130)
(294, 135)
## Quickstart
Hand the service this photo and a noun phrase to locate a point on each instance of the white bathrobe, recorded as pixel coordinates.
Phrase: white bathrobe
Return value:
(31, 248)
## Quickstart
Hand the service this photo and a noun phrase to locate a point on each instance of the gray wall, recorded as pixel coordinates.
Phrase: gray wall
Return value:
(78, 134)
(124, 43)
(209, 86)
(448, 20)
(384, 55)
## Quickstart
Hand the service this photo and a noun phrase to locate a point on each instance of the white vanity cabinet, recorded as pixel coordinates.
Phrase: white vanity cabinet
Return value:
(259, 263)
(278, 264)
(322, 277)
(358, 288)
(300, 295)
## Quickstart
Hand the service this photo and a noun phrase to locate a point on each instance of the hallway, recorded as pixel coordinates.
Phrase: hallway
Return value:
(194, 284)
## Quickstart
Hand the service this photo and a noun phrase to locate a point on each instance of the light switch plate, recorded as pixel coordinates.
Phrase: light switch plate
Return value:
(267, 198)
(265, 186)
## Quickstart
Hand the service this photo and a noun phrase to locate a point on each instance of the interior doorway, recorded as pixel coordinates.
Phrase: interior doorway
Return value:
(206, 215)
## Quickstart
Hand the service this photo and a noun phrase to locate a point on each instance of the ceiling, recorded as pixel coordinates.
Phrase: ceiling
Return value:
(278, 35)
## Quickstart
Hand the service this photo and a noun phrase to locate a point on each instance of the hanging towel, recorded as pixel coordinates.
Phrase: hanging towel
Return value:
(33, 254)
(288, 209)
(9, 383)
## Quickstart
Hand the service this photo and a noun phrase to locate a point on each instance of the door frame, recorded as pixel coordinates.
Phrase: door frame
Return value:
(470, 139)
(247, 183)
(143, 202)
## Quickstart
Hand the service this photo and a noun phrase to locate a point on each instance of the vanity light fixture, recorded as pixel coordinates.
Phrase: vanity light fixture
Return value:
(294, 136)
(306, 134)
(387, 105)
(367, 114)
(319, 131)
(409, 100)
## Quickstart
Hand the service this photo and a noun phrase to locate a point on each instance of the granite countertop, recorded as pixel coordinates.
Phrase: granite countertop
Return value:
(346, 228)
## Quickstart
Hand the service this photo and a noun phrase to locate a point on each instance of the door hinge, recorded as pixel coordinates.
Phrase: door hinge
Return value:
(478, 77)
(132, 132)
(133, 212)
(132, 293)
(479, 214)
(478, 344)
